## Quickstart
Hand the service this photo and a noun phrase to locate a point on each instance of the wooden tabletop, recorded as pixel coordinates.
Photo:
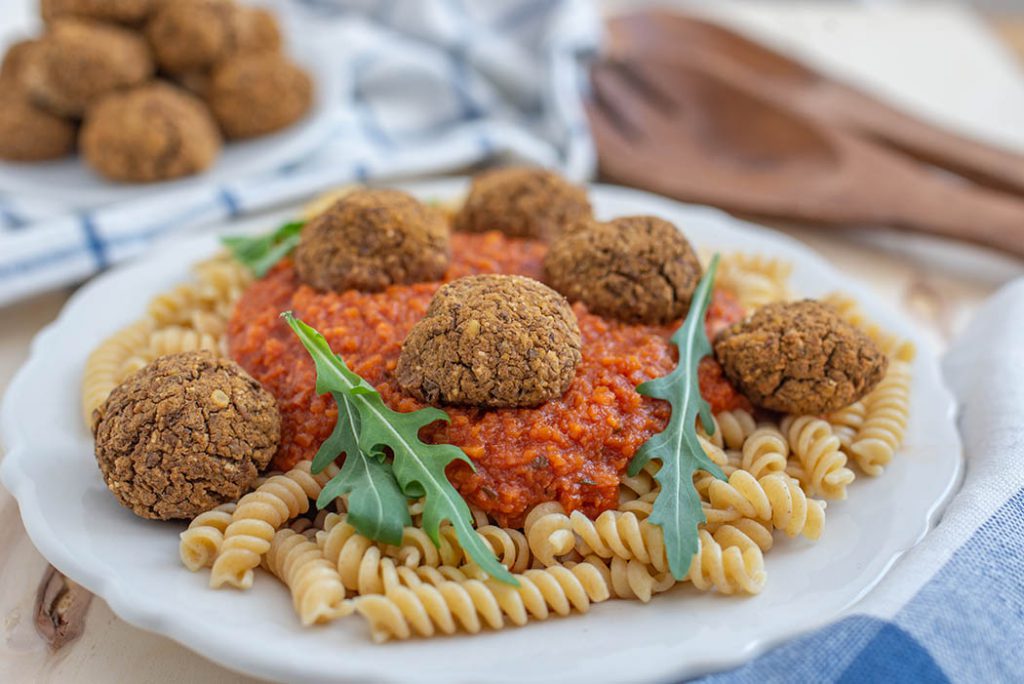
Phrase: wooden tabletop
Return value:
(940, 302)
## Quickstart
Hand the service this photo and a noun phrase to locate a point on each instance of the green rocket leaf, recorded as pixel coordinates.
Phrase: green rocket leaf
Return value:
(677, 508)
(417, 466)
(259, 253)
(376, 506)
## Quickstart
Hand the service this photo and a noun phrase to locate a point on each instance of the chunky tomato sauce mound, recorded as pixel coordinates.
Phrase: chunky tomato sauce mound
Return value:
(572, 450)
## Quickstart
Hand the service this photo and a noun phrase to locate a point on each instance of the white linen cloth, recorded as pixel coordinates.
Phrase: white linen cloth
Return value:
(427, 86)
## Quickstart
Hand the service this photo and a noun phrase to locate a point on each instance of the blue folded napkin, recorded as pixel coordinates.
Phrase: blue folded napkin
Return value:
(426, 87)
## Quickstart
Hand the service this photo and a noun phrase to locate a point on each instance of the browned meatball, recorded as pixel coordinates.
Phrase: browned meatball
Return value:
(28, 133)
(638, 269)
(799, 357)
(194, 35)
(492, 341)
(14, 62)
(184, 434)
(154, 132)
(523, 202)
(373, 238)
(259, 93)
(77, 62)
(119, 11)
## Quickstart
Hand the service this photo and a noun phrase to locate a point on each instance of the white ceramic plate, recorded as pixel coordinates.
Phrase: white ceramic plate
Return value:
(133, 564)
(81, 187)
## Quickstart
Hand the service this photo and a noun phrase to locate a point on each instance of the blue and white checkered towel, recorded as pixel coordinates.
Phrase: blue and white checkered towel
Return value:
(952, 609)
(427, 86)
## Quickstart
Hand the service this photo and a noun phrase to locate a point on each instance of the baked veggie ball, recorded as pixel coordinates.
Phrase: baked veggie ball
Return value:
(372, 238)
(638, 269)
(258, 93)
(29, 133)
(154, 132)
(14, 62)
(799, 357)
(523, 202)
(194, 35)
(118, 11)
(492, 341)
(185, 434)
(77, 62)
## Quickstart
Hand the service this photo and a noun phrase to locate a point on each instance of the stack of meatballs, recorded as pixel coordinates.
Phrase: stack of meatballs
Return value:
(147, 90)
(486, 341)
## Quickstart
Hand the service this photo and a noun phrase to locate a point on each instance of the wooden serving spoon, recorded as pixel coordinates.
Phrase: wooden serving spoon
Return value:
(678, 39)
(684, 132)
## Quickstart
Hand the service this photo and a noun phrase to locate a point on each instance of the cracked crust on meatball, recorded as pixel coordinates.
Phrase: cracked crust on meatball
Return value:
(185, 434)
(638, 269)
(151, 133)
(77, 62)
(800, 357)
(119, 11)
(372, 238)
(492, 341)
(259, 93)
(523, 202)
(195, 35)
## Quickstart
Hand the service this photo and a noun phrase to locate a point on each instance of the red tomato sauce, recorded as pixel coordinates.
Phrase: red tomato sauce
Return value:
(572, 450)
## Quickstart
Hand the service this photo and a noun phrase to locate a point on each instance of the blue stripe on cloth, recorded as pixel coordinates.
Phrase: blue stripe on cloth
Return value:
(364, 114)
(971, 614)
(93, 241)
(41, 261)
(228, 199)
(10, 218)
(468, 107)
(965, 624)
(894, 656)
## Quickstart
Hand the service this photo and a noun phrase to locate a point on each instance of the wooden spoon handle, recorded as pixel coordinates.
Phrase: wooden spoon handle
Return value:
(964, 212)
(982, 163)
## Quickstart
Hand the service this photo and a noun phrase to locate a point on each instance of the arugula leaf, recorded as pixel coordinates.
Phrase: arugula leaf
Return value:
(376, 506)
(259, 253)
(417, 466)
(677, 508)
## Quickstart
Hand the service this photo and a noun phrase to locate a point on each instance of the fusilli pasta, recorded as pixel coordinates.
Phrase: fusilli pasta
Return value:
(821, 466)
(888, 409)
(258, 516)
(316, 588)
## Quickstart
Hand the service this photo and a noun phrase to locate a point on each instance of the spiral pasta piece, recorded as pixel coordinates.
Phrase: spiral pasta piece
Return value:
(776, 498)
(846, 423)
(258, 516)
(733, 428)
(548, 533)
(317, 592)
(893, 346)
(631, 579)
(727, 569)
(417, 548)
(201, 542)
(765, 450)
(425, 609)
(823, 468)
(104, 369)
(885, 422)
(754, 279)
(633, 487)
